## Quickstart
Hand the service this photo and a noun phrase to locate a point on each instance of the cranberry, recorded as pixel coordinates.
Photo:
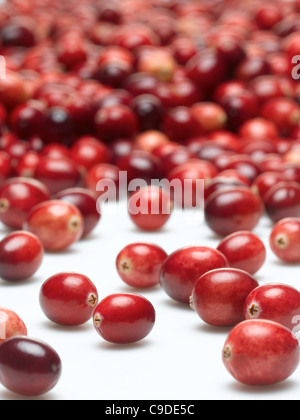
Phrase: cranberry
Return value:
(233, 210)
(11, 325)
(265, 361)
(5, 166)
(58, 173)
(244, 251)
(219, 296)
(283, 112)
(27, 120)
(265, 181)
(27, 164)
(283, 200)
(18, 33)
(55, 151)
(121, 147)
(180, 124)
(116, 122)
(258, 128)
(175, 157)
(267, 16)
(150, 140)
(158, 62)
(21, 255)
(150, 208)
(29, 367)
(252, 67)
(12, 90)
(211, 116)
(82, 111)
(275, 302)
(149, 110)
(17, 197)
(140, 164)
(86, 202)
(56, 223)
(141, 84)
(220, 183)
(124, 318)
(239, 108)
(103, 172)
(182, 269)
(285, 240)
(245, 166)
(88, 151)
(290, 172)
(139, 264)
(68, 299)
(58, 126)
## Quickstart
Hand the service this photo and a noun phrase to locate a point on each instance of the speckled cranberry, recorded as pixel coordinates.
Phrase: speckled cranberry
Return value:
(139, 264)
(28, 366)
(244, 250)
(68, 299)
(219, 296)
(271, 359)
(285, 239)
(183, 267)
(275, 302)
(124, 318)
(11, 325)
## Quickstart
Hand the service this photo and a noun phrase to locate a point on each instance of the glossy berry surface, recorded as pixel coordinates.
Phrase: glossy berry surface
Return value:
(11, 325)
(21, 255)
(68, 299)
(244, 250)
(283, 200)
(275, 302)
(17, 197)
(219, 296)
(139, 264)
(285, 240)
(271, 359)
(56, 223)
(150, 208)
(29, 367)
(124, 318)
(233, 210)
(86, 202)
(182, 269)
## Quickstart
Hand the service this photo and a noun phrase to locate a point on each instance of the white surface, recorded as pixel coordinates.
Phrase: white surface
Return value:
(180, 359)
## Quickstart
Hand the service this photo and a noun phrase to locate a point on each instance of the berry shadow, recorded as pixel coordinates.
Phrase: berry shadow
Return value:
(11, 396)
(8, 283)
(287, 385)
(177, 305)
(210, 329)
(87, 327)
(105, 345)
(150, 290)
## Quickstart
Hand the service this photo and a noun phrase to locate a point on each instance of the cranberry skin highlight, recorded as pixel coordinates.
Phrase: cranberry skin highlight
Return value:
(28, 367)
(21, 255)
(232, 210)
(271, 359)
(244, 250)
(150, 208)
(285, 240)
(219, 296)
(11, 325)
(282, 201)
(56, 223)
(184, 267)
(17, 197)
(275, 302)
(68, 299)
(124, 318)
(139, 264)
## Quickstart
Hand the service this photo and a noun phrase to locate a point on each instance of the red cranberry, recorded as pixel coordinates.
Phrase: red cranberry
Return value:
(18, 33)
(88, 151)
(233, 210)
(180, 124)
(121, 147)
(290, 172)
(58, 173)
(21, 255)
(149, 110)
(116, 122)
(252, 67)
(16, 151)
(245, 166)
(139, 264)
(283, 200)
(58, 126)
(182, 269)
(150, 208)
(103, 172)
(275, 302)
(265, 181)
(86, 202)
(267, 16)
(124, 318)
(5, 166)
(233, 174)
(82, 111)
(28, 119)
(150, 140)
(68, 299)
(211, 116)
(11, 325)
(55, 151)
(140, 164)
(285, 240)
(220, 183)
(28, 366)
(12, 90)
(219, 296)
(141, 84)
(56, 223)
(283, 112)
(258, 128)
(165, 149)
(271, 162)
(239, 108)
(178, 156)
(244, 251)
(27, 164)
(269, 360)
(17, 197)
(158, 62)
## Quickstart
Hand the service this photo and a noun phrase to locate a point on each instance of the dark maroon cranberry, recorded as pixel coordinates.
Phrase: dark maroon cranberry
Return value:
(149, 110)
(180, 124)
(17, 34)
(175, 158)
(240, 108)
(140, 165)
(245, 166)
(282, 201)
(141, 84)
(59, 125)
(113, 73)
(252, 67)
(121, 147)
(27, 120)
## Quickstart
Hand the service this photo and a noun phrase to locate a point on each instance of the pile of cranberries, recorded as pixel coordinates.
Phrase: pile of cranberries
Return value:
(174, 90)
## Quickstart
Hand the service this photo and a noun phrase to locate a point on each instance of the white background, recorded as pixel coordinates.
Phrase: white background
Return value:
(180, 359)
